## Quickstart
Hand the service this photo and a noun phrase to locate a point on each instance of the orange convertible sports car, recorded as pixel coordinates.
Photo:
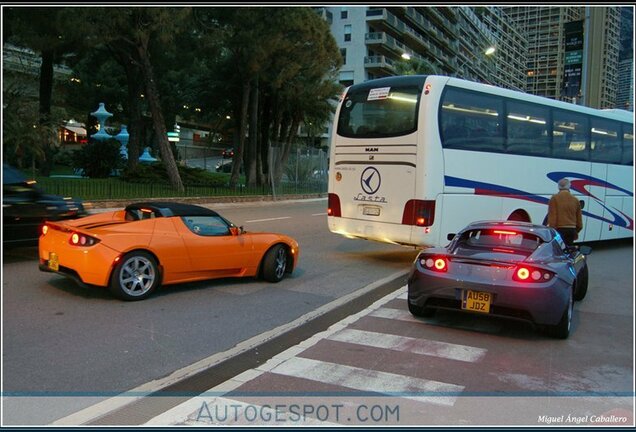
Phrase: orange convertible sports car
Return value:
(133, 251)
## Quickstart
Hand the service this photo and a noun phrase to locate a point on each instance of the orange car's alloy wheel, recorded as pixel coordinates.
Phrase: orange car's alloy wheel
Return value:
(275, 264)
(135, 277)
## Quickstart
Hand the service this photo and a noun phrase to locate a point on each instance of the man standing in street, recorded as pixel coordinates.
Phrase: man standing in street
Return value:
(564, 213)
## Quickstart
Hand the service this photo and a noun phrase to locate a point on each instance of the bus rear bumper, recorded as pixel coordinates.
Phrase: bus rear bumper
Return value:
(384, 232)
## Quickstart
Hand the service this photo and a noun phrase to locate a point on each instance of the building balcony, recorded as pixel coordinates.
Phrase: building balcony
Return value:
(428, 27)
(383, 19)
(381, 41)
(379, 64)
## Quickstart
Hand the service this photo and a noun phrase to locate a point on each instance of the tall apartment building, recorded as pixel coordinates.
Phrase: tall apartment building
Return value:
(511, 44)
(625, 87)
(601, 80)
(544, 28)
(453, 40)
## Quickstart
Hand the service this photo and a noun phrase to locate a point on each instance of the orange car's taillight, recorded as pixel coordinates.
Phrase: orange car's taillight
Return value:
(79, 239)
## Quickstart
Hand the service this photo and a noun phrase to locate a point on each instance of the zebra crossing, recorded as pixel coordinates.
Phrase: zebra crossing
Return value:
(311, 379)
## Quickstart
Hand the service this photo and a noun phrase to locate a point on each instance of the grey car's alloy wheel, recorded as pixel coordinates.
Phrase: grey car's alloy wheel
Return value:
(275, 264)
(135, 277)
(562, 329)
(421, 311)
(582, 282)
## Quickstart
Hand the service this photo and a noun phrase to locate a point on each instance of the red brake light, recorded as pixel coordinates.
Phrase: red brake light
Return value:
(419, 213)
(505, 232)
(438, 264)
(529, 274)
(523, 273)
(333, 206)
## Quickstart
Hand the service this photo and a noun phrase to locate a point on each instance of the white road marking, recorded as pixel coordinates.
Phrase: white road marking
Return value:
(407, 344)
(267, 220)
(370, 380)
(106, 406)
(396, 314)
(319, 214)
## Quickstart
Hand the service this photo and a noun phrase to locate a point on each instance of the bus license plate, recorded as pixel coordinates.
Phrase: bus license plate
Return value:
(54, 262)
(476, 301)
(371, 211)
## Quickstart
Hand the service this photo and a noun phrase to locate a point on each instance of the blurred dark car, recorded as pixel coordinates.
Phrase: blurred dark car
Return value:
(25, 207)
(502, 268)
(224, 166)
(228, 153)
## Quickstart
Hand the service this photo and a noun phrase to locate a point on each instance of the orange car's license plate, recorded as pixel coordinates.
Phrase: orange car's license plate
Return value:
(476, 301)
(54, 263)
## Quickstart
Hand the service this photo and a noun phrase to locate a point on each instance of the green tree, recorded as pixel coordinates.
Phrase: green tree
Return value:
(130, 34)
(20, 136)
(305, 88)
(42, 30)
(279, 66)
(415, 66)
(98, 159)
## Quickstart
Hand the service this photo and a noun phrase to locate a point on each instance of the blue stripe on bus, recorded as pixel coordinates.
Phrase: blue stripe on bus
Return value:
(579, 183)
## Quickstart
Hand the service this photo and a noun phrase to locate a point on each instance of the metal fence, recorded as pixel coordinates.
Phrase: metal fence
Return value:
(96, 189)
(304, 173)
(198, 156)
(303, 164)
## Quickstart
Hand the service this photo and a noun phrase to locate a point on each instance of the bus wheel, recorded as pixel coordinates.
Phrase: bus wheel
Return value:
(519, 216)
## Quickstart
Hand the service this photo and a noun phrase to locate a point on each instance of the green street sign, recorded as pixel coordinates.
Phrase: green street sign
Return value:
(573, 57)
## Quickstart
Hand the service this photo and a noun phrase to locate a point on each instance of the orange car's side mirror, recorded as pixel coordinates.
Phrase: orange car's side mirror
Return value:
(236, 231)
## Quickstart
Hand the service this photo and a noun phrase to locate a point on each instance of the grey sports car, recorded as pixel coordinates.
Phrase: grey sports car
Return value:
(502, 268)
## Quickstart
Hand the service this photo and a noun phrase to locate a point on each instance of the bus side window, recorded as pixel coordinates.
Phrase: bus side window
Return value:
(569, 135)
(605, 141)
(527, 129)
(471, 121)
(628, 145)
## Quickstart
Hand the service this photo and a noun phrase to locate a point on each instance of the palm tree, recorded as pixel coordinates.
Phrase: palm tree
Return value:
(415, 66)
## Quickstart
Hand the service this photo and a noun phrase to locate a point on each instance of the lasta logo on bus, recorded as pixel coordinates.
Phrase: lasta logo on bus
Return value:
(370, 182)
(366, 198)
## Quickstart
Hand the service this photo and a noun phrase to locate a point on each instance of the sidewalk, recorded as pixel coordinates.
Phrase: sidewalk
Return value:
(377, 368)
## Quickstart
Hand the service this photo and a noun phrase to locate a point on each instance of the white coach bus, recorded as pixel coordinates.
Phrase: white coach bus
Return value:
(414, 158)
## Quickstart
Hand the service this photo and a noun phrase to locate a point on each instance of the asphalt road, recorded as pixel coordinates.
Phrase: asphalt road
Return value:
(72, 348)
(66, 341)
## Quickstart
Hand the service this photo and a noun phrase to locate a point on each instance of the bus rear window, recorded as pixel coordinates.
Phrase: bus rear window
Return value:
(379, 112)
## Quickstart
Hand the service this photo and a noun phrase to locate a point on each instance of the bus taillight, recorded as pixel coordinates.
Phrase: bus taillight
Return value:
(333, 206)
(419, 213)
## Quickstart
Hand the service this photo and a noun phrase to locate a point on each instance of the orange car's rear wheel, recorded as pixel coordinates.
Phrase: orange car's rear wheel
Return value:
(135, 277)
(275, 263)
